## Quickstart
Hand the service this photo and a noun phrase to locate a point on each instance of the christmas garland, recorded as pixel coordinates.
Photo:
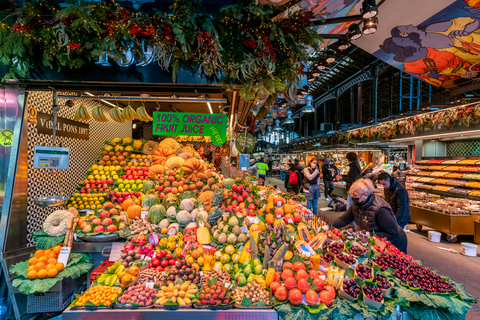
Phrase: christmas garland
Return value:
(462, 116)
(240, 45)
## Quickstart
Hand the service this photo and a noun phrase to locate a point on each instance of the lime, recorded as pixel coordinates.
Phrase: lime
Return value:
(230, 249)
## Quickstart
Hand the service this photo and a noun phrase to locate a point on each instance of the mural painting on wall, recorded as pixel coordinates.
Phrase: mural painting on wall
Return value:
(443, 50)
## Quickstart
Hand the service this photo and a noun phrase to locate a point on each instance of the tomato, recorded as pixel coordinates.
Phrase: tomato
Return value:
(314, 274)
(302, 274)
(287, 273)
(303, 285)
(325, 297)
(290, 283)
(295, 296)
(274, 286)
(312, 298)
(331, 289)
(281, 293)
(319, 283)
(277, 276)
(298, 265)
(287, 265)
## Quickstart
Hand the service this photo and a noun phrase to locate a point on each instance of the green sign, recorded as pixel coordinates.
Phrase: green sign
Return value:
(244, 143)
(191, 124)
(6, 137)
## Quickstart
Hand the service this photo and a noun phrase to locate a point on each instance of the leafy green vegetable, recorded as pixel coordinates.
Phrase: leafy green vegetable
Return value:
(44, 241)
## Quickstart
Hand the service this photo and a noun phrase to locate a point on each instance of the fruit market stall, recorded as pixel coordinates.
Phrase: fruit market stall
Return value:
(457, 182)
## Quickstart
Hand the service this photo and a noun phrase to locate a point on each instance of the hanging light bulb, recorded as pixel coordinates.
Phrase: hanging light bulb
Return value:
(277, 126)
(330, 57)
(370, 26)
(289, 119)
(369, 9)
(344, 44)
(354, 32)
(322, 65)
(308, 108)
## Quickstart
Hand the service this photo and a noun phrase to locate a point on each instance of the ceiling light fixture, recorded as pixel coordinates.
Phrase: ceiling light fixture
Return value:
(311, 79)
(369, 9)
(354, 32)
(308, 108)
(210, 107)
(322, 65)
(316, 74)
(104, 101)
(277, 126)
(344, 44)
(289, 119)
(330, 57)
(370, 26)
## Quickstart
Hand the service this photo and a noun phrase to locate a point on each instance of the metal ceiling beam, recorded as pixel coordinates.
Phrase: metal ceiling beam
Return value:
(146, 99)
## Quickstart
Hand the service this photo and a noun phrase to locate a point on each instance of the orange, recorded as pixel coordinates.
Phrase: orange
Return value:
(59, 266)
(52, 273)
(47, 252)
(52, 261)
(144, 156)
(31, 268)
(42, 259)
(133, 270)
(32, 261)
(39, 253)
(56, 249)
(42, 274)
(32, 274)
(39, 266)
(127, 203)
(50, 266)
(52, 255)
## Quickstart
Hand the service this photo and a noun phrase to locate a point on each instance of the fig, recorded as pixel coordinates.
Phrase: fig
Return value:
(131, 253)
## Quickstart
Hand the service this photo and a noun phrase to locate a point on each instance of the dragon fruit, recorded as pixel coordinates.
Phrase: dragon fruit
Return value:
(139, 240)
(149, 250)
(129, 246)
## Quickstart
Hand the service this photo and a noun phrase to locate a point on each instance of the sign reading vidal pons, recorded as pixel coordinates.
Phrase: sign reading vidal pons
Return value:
(191, 124)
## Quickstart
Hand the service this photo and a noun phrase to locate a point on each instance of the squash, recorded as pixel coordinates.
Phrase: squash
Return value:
(149, 147)
(189, 149)
(178, 151)
(170, 143)
(134, 211)
(156, 172)
(156, 213)
(206, 198)
(148, 185)
(174, 163)
(192, 168)
(56, 223)
(162, 154)
(150, 200)
(185, 155)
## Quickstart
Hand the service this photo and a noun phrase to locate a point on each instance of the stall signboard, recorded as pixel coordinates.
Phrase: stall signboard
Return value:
(191, 124)
(65, 127)
(244, 162)
(245, 143)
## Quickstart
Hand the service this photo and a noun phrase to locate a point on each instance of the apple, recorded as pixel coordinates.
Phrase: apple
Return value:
(85, 181)
(229, 209)
(129, 177)
(138, 194)
(127, 168)
(91, 182)
(97, 221)
(109, 181)
(121, 225)
(245, 195)
(161, 195)
(234, 196)
(104, 214)
(129, 172)
(174, 184)
(164, 263)
(111, 193)
(156, 188)
(83, 224)
(168, 190)
(160, 188)
(120, 200)
(87, 228)
(112, 228)
(124, 176)
(99, 229)
(107, 221)
(240, 199)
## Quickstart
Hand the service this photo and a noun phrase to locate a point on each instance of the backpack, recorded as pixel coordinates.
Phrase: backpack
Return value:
(292, 178)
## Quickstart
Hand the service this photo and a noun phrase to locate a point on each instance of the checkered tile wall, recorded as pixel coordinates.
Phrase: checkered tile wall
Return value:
(83, 154)
(463, 148)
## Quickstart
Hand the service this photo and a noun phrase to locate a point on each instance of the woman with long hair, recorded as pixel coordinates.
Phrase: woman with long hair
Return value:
(311, 182)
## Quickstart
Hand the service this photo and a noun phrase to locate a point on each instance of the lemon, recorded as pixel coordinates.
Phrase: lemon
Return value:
(76, 194)
(99, 206)
(230, 249)
(101, 172)
(224, 258)
(100, 167)
(217, 255)
(227, 267)
(94, 167)
(115, 177)
(97, 176)
(81, 207)
(87, 206)
(101, 199)
(95, 172)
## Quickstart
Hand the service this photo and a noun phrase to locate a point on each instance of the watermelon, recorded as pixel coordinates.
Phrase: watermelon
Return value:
(150, 200)
(187, 195)
(156, 213)
(148, 185)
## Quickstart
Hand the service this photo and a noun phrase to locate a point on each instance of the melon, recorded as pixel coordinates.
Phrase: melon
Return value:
(156, 213)
(150, 200)
(164, 223)
(148, 185)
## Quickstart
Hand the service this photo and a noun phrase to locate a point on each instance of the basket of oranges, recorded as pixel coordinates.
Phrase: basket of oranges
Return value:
(44, 264)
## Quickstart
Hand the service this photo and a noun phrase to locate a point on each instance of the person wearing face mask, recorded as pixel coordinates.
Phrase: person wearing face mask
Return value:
(329, 171)
(311, 181)
(373, 214)
(397, 196)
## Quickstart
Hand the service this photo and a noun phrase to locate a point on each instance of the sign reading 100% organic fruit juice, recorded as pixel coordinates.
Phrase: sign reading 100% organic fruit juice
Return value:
(191, 124)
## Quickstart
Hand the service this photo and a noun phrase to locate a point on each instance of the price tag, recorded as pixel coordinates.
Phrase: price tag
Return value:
(243, 229)
(144, 214)
(149, 285)
(147, 258)
(201, 273)
(227, 284)
(124, 217)
(116, 251)
(64, 255)
(75, 236)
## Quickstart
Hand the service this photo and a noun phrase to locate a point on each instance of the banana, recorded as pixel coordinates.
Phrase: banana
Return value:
(77, 114)
(128, 113)
(116, 115)
(102, 115)
(143, 115)
(180, 301)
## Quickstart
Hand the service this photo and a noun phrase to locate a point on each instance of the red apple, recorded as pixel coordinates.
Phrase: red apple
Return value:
(104, 214)
(112, 228)
(99, 229)
(107, 221)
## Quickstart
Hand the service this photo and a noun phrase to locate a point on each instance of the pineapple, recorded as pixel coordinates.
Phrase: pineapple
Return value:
(216, 211)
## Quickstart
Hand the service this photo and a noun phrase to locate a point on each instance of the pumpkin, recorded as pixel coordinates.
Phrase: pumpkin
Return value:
(148, 185)
(162, 154)
(174, 163)
(192, 168)
(178, 151)
(134, 211)
(150, 147)
(150, 200)
(185, 155)
(189, 149)
(170, 143)
(156, 172)
(156, 213)
(206, 198)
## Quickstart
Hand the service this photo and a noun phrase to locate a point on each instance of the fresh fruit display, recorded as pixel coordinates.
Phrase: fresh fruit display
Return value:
(214, 293)
(56, 224)
(110, 277)
(335, 277)
(221, 276)
(151, 275)
(246, 275)
(185, 271)
(44, 264)
(382, 282)
(372, 292)
(345, 258)
(335, 247)
(254, 292)
(141, 226)
(229, 229)
(328, 258)
(98, 296)
(179, 293)
(356, 250)
(138, 294)
(352, 288)
(363, 272)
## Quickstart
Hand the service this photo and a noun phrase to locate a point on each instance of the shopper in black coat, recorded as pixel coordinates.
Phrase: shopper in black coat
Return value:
(373, 214)
(289, 186)
(397, 196)
(353, 174)
(329, 171)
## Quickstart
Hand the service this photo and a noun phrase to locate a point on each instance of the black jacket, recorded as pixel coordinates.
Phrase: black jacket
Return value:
(293, 187)
(353, 174)
(367, 171)
(375, 216)
(327, 174)
(397, 198)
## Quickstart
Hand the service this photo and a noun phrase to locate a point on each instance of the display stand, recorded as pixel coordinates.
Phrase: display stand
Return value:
(451, 225)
